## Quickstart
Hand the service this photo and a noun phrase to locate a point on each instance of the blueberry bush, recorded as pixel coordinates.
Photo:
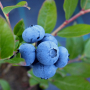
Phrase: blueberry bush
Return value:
(36, 46)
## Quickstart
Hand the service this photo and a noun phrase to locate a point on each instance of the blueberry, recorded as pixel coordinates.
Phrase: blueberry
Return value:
(28, 53)
(33, 34)
(49, 37)
(63, 57)
(68, 59)
(47, 53)
(35, 61)
(44, 71)
(68, 55)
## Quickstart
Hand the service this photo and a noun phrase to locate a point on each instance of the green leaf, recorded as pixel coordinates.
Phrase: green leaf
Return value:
(19, 28)
(4, 84)
(32, 82)
(14, 60)
(69, 7)
(16, 45)
(1, 61)
(62, 72)
(48, 15)
(85, 4)
(6, 39)
(79, 69)
(85, 41)
(35, 80)
(57, 76)
(7, 9)
(86, 60)
(87, 49)
(75, 31)
(49, 0)
(71, 83)
(44, 84)
(19, 38)
(75, 46)
(18, 55)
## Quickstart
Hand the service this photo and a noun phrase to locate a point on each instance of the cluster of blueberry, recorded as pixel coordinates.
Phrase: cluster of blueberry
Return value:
(47, 57)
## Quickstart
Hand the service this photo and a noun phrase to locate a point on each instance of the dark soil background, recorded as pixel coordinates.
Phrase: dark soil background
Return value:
(17, 77)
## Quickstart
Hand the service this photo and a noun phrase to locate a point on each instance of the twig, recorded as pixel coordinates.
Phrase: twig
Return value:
(14, 54)
(75, 60)
(70, 20)
(6, 15)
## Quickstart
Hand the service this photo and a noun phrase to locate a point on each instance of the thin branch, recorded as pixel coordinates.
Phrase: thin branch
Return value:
(75, 60)
(70, 20)
(6, 15)
(14, 54)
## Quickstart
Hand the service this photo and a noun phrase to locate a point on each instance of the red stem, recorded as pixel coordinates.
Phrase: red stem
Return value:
(1, 5)
(74, 60)
(70, 20)
(6, 15)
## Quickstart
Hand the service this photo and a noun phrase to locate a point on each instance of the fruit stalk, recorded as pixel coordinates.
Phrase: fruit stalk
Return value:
(82, 12)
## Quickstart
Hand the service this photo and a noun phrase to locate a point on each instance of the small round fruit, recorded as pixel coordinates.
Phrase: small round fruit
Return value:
(63, 57)
(49, 37)
(28, 53)
(35, 61)
(44, 71)
(33, 34)
(47, 53)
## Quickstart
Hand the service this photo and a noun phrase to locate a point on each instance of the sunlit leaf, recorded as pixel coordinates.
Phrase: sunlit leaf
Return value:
(75, 31)
(75, 46)
(7, 9)
(6, 39)
(19, 28)
(4, 84)
(69, 7)
(48, 15)
(85, 4)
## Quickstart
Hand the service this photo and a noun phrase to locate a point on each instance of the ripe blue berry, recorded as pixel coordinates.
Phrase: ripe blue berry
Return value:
(35, 61)
(44, 71)
(49, 37)
(47, 53)
(28, 53)
(63, 57)
(33, 34)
